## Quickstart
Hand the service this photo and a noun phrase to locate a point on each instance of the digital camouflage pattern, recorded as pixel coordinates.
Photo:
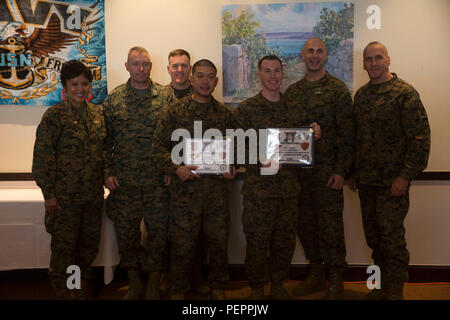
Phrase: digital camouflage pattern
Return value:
(68, 153)
(177, 96)
(320, 227)
(259, 113)
(393, 134)
(130, 122)
(329, 103)
(385, 233)
(68, 165)
(198, 203)
(269, 226)
(201, 254)
(269, 201)
(393, 139)
(75, 238)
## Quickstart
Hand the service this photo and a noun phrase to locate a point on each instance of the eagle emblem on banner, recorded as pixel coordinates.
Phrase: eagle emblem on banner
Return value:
(38, 38)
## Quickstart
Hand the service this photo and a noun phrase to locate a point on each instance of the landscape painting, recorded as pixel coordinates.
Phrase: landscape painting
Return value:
(252, 31)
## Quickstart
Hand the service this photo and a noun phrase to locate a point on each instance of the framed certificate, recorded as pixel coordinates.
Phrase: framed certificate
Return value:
(211, 156)
(293, 146)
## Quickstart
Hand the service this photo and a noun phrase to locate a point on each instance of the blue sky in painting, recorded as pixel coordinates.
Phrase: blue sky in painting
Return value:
(285, 17)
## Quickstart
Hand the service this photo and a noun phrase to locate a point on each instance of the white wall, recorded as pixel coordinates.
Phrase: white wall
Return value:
(427, 225)
(415, 32)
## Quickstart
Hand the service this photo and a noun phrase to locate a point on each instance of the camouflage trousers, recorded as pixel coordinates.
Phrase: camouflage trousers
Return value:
(269, 227)
(126, 207)
(75, 237)
(320, 226)
(193, 210)
(383, 216)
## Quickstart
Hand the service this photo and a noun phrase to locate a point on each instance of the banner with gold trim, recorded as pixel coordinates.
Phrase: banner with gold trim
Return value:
(37, 37)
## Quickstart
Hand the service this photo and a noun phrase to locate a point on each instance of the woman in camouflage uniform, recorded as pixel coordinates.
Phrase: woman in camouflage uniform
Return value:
(68, 167)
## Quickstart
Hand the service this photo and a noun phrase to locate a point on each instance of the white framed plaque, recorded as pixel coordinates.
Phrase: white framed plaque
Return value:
(211, 156)
(291, 146)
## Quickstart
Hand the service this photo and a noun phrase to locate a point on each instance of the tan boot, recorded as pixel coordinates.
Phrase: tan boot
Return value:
(314, 282)
(279, 292)
(198, 283)
(395, 291)
(257, 293)
(136, 289)
(336, 286)
(164, 284)
(177, 296)
(152, 292)
(378, 294)
(217, 294)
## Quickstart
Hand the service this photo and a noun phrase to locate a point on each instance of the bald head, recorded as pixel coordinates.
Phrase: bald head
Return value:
(314, 42)
(376, 62)
(378, 45)
(314, 54)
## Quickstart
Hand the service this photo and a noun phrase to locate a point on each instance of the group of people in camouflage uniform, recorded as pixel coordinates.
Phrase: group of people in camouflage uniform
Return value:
(378, 144)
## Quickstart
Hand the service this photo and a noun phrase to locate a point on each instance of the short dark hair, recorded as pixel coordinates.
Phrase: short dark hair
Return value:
(204, 63)
(139, 50)
(72, 69)
(269, 57)
(179, 52)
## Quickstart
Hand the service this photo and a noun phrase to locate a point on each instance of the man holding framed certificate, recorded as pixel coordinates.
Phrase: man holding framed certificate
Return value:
(197, 200)
(270, 201)
(325, 99)
(291, 146)
(180, 89)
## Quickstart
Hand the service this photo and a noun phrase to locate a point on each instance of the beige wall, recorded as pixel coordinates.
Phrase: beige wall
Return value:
(427, 225)
(415, 32)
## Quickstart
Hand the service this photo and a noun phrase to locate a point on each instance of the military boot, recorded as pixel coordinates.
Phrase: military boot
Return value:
(217, 294)
(314, 282)
(336, 286)
(198, 283)
(375, 294)
(136, 289)
(152, 292)
(177, 296)
(164, 284)
(279, 292)
(257, 293)
(395, 291)
(378, 294)
(82, 293)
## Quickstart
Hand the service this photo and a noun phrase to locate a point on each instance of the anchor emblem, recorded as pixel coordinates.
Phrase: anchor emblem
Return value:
(14, 70)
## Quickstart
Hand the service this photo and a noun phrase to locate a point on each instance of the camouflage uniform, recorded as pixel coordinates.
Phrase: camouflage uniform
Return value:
(130, 123)
(320, 221)
(269, 201)
(392, 140)
(201, 254)
(176, 96)
(68, 166)
(198, 203)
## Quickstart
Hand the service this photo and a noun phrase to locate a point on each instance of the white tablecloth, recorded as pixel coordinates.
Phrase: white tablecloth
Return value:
(24, 243)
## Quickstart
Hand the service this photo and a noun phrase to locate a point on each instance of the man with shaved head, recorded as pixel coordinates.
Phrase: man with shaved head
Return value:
(320, 97)
(392, 148)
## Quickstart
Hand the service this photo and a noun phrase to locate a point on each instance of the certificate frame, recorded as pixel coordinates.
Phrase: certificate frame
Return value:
(291, 146)
(211, 156)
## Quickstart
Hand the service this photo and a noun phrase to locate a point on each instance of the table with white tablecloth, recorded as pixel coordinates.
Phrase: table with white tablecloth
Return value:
(24, 243)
